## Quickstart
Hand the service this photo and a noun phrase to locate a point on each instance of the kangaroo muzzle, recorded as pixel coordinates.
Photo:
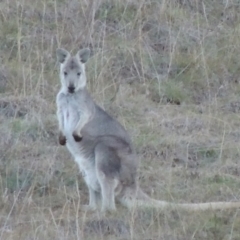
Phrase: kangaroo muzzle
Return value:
(71, 88)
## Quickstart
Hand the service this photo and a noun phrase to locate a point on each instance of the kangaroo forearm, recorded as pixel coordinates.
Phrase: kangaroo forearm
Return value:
(60, 120)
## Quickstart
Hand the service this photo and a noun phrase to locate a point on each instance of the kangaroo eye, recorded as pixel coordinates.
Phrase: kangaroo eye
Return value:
(65, 73)
(78, 73)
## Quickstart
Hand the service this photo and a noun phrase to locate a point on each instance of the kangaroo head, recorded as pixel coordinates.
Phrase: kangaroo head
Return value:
(72, 69)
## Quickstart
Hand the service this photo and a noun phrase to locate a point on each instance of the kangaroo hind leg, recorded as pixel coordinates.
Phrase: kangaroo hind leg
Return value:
(94, 200)
(108, 186)
(107, 170)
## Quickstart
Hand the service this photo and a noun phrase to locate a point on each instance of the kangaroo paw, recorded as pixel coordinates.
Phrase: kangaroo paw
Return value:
(62, 140)
(77, 137)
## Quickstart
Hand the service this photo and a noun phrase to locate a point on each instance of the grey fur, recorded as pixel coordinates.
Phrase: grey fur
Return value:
(101, 146)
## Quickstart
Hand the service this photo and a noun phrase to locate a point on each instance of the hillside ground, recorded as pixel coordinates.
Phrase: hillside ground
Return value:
(168, 70)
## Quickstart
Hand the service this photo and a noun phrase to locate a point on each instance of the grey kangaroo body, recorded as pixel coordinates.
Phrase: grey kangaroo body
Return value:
(101, 146)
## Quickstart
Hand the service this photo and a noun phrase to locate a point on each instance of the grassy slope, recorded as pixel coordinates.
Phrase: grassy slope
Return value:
(167, 70)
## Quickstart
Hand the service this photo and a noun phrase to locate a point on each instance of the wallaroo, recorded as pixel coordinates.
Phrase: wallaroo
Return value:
(101, 146)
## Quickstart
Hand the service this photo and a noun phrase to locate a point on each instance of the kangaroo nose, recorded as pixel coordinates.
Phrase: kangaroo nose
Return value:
(71, 89)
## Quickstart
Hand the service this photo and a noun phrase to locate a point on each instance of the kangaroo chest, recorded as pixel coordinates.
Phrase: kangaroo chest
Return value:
(82, 152)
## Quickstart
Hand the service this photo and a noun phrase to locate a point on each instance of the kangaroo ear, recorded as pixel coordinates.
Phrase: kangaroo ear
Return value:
(62, 55)
(84, 55)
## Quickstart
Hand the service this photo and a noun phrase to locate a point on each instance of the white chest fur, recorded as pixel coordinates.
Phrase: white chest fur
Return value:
(71, 113)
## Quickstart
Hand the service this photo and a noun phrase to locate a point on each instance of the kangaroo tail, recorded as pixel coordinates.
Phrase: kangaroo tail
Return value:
(134, 199)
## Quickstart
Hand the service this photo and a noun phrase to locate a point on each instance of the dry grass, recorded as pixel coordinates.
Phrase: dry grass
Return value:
(167, 70)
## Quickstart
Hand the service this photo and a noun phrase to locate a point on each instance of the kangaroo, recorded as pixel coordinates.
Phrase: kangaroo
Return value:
(73, 79)
(101, 146)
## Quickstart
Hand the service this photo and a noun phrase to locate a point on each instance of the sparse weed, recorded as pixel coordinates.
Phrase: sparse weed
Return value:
(18, 180)
(174, 92)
